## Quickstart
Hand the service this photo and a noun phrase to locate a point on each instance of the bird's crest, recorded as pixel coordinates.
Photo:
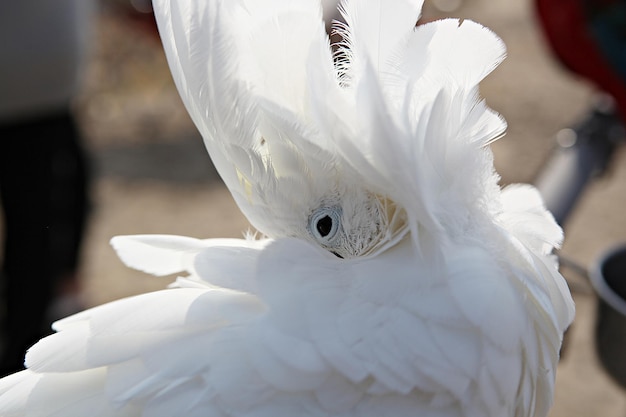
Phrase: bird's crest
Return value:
(396, 108)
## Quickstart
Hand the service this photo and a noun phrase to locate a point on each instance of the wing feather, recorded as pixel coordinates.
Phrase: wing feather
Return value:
(298, 336)
(156, 254)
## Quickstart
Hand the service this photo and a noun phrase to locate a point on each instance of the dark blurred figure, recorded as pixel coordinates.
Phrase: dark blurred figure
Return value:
(43, 172)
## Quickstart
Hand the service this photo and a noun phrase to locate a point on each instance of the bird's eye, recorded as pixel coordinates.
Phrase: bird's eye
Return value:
(324, 224)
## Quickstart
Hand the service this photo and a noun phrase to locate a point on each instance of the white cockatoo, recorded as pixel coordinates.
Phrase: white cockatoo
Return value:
(396, 278)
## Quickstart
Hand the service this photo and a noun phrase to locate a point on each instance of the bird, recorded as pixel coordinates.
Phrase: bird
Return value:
(389, 275)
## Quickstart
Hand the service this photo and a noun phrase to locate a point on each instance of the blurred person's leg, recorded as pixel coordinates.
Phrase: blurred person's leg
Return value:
(43, 192)
(69, 205)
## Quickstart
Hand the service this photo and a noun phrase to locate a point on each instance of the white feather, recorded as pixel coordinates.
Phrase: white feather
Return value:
(373, 32)
(156, 254)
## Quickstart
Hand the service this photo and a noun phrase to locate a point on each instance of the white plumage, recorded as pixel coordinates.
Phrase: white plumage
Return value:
(396, 278)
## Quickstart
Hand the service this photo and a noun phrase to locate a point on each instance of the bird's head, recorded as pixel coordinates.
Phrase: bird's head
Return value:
(352, 149)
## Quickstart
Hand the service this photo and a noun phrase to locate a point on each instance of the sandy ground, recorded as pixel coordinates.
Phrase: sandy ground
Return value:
(151, 174)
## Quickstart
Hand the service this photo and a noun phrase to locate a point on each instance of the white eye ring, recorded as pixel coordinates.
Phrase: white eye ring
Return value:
(324, 223)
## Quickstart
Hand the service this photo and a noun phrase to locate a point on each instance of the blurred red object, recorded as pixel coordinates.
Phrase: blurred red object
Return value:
(567, 27)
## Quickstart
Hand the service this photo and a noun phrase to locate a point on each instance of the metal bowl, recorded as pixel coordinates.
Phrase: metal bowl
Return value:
(609, 281)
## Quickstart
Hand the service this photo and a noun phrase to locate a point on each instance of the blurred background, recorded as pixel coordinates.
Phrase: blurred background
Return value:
(150, 173)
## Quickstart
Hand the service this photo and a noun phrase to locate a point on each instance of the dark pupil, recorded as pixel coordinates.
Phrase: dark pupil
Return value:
(324, 226)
